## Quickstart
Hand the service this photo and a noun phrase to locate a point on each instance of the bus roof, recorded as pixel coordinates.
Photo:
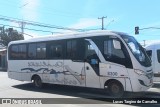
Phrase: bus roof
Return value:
(68, 36)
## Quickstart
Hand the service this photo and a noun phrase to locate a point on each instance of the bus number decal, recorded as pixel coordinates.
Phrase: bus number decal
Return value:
(112, 74)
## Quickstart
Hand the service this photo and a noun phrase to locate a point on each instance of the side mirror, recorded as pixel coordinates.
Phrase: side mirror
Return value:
(116, 44)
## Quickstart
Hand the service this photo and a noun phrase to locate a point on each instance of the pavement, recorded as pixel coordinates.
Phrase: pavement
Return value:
(10, 88)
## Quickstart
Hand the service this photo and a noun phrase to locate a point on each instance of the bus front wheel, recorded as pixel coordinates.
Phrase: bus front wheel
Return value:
(37, 82)
(115, 89)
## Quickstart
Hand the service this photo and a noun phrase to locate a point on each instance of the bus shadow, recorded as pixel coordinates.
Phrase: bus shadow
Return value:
(96, 96)
(63, 90)
(156, 85)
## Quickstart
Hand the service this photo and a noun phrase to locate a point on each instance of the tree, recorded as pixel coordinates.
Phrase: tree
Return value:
(8, 35)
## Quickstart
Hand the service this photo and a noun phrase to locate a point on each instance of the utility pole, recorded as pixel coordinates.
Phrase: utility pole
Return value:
(22, 24)
(102, 18)
(144, 42)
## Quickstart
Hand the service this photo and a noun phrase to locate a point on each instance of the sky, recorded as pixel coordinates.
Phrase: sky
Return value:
(122, 15)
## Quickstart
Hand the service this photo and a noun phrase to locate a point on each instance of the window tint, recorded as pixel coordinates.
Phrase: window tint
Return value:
(32, 51)
(119, 56)
(14, 52)
(37, 51)
(110, 51)
(158, 55)
(71, 49)
(18, 52)
(55, 51)
(74, 49)
(90, 52)
(41, 50)
(22, 51)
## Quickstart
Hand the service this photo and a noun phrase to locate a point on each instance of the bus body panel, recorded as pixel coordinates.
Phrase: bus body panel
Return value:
(94, 73)
(141, 82)
(54, 72)
(113, 70)
(74, 73)
(92, 79)
(128, 84)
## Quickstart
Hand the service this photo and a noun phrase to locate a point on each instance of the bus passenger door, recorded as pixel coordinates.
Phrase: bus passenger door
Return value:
(91, 65)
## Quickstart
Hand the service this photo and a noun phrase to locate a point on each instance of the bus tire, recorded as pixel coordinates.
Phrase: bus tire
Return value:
(37, 82)
(115, 89)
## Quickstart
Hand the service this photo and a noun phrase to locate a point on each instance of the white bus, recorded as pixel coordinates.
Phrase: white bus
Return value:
(98, 59)
(153, 51)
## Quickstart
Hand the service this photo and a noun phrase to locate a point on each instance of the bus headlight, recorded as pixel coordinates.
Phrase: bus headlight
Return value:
(139, 72)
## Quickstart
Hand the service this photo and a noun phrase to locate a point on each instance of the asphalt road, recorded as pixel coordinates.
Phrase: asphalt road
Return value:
(24, 93)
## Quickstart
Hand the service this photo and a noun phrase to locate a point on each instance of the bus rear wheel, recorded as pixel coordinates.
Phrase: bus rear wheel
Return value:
(37, 82)
(115, 89)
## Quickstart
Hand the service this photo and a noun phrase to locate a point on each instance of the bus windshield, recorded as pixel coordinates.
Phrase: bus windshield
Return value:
(137, 50)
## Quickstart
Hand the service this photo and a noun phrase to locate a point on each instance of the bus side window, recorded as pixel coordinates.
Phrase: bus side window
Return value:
(158, 55)
(55, 51)
(71, 49)
(75, 50)
(119, 56)
(41, 50)
(14, 52)
(23, 51)
(90, 54)
(18, 52)
(110, 52)
(32, 51)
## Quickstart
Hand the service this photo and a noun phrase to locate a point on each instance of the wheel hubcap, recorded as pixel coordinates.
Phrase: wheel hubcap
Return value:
(115, 89)
(38, 82)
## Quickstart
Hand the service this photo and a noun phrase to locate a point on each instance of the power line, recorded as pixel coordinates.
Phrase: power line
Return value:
(30, 29)
(150, 28)
(37, 23)
(24, 22)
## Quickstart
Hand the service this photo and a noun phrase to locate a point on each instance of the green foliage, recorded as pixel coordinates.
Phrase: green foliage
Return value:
(10, 35)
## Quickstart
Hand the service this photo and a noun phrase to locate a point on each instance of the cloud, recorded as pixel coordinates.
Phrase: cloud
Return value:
(84, 23)
(148, 42)
(95, 23)
(30, 35)
(153, 24)
(29, 9)
(153, 28)
(88, 23)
